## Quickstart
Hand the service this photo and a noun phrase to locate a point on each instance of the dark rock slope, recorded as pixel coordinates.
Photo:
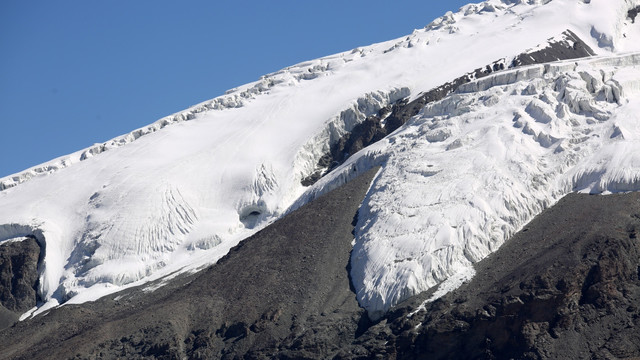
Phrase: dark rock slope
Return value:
(565, 287)
(284, 292)
(18, 279)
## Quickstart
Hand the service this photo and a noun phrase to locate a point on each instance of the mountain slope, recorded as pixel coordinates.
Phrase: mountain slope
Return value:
(500, 150)
(457, 180)
(296, 284)
(566, 286)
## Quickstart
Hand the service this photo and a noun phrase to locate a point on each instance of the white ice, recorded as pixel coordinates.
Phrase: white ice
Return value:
(456, 181)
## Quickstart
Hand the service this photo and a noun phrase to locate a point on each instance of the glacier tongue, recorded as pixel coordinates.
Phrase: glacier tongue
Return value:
(461, 177)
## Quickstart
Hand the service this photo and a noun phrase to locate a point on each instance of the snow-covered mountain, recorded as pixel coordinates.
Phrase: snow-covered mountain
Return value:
(506, 138)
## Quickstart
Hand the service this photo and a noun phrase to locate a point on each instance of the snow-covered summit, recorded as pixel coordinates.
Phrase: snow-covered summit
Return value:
(456, 181)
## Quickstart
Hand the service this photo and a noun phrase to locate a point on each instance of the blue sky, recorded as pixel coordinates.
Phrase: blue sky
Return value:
(75, 73)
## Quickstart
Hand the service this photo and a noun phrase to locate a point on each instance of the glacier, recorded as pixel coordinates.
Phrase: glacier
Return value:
(456, 181)
(469, 171)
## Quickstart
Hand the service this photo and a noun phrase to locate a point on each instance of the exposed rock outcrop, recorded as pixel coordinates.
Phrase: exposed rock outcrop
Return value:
(566, 286)
(632, 13)
(284, 290)
(18, 279)
(388, 119)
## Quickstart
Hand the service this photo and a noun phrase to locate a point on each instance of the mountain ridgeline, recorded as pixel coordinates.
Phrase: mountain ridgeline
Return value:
(420, 210)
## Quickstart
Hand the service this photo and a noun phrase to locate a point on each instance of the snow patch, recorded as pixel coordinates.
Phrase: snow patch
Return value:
(452, 283)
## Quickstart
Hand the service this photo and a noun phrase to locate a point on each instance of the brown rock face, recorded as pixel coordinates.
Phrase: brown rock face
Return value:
(18, 278)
